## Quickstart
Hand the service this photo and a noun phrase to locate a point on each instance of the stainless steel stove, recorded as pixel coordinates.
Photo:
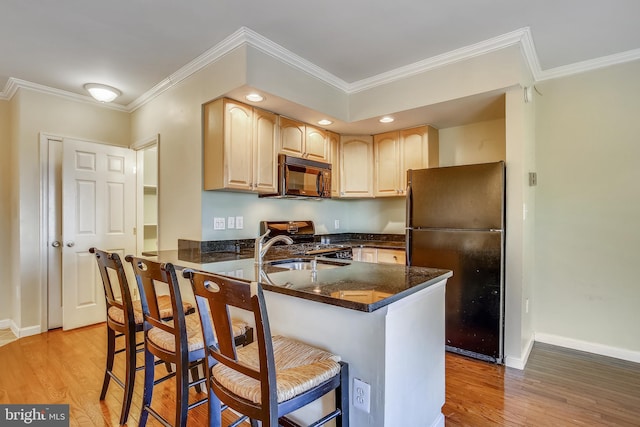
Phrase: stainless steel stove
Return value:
(305, 240)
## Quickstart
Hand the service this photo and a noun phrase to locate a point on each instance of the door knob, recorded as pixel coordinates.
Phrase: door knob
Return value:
(70, 244)
(55, 244)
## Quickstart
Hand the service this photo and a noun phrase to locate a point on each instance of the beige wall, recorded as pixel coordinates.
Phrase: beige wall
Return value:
(587, 290)
(481, 142)
(5, 210)
(33, 114)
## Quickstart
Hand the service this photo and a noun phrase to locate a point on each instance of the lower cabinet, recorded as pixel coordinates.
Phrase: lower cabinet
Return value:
(382, 256)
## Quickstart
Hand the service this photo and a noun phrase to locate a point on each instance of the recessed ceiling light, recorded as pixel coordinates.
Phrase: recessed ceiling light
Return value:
(386, 119)
(254, 97)
(324, 122)
(102, 93)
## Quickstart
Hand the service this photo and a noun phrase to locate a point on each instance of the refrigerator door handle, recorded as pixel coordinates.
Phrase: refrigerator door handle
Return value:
(409, 201)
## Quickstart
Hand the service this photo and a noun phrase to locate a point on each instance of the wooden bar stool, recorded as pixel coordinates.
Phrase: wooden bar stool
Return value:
(124, 319)
(271, 377)
(178, 341)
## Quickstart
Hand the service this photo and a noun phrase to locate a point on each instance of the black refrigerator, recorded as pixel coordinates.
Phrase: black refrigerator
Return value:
(455, 220)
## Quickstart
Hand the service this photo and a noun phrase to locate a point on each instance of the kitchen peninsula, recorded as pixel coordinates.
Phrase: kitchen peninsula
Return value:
(386, 321)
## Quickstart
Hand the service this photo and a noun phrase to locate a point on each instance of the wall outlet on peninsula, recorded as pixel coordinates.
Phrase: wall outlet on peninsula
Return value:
(361, 395)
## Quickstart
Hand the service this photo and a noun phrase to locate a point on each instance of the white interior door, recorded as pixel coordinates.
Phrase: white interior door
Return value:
(54, 229)
(99, 209)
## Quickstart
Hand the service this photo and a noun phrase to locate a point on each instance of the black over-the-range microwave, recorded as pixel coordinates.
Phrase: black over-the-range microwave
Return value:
(298, 178)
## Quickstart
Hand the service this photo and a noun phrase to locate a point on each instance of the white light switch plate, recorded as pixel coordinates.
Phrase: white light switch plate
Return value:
(239, 223)
(218, 223)
(231, 222)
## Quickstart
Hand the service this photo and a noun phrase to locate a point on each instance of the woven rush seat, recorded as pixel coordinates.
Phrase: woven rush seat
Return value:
(299, 368)
(164, 305)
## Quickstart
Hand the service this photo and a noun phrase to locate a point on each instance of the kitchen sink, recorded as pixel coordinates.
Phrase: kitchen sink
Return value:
(305, 264)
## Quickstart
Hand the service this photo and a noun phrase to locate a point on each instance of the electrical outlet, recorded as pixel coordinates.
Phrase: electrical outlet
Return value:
(218, 223)
(361, 395)
(239, 223)
(336, 224)
(231, 222)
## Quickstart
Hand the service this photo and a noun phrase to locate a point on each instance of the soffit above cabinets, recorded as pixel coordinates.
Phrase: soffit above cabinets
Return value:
(458, 112)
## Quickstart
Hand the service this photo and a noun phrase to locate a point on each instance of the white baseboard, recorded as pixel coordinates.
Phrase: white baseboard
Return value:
(5, 323)
(22, 332)
(520, 362)
(603, 350)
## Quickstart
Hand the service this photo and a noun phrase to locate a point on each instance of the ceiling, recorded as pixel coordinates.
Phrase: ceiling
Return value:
(136, 44)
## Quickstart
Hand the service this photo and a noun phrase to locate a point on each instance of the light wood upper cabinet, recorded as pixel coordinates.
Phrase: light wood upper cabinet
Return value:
(265, 166)
(239, 147)
(316, 147)
(333, 143)
(397, 152)
(302, 140)
(356, 166)
(386, 174)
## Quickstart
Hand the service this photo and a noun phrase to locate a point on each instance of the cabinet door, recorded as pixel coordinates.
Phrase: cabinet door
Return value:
(238, 146)
(356, 166)
(315, 144)
(391, 256)
(369, 255)
(386, 174)
(333, 142)
(292, 134)
(265, 132)
(418, 150)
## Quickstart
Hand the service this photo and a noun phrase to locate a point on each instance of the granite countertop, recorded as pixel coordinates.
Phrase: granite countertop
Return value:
(350, 284)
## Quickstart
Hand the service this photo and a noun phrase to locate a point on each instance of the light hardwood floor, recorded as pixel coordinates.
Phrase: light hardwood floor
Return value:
(559, 387)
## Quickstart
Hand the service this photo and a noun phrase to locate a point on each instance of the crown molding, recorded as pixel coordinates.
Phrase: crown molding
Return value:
(14, 84)
(468, 52)
(590, 65)
(242, 36)
(247, 37)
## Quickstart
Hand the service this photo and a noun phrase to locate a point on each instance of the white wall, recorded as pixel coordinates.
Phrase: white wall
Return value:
(5, 211)
(587, 292)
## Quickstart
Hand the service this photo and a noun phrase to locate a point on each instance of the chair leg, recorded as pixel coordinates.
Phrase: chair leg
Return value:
(342, 396)
(111, 349)
(130, 376)
(215, 410)
(149, 371)
(195, 376)
(182, 391)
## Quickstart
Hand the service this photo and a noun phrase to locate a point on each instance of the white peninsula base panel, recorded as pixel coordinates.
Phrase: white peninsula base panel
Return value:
(397, 349)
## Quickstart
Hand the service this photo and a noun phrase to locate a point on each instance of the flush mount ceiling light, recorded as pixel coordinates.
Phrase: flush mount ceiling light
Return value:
(324, 122)
(254, 97)
(386, 119)
(102, 93)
